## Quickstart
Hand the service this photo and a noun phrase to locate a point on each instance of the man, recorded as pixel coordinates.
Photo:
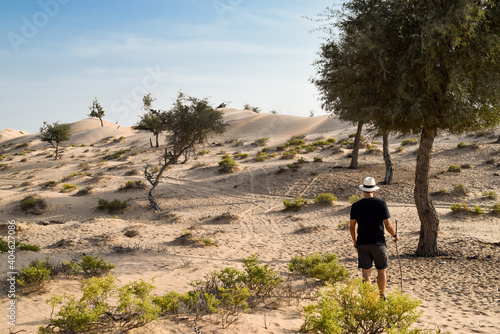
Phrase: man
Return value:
(371, 215)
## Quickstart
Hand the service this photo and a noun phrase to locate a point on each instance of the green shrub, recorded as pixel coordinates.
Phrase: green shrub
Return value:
(478, 210)
(321, 143)
(134, 185)
(203, 152)
(457, 207)
(454, 169)
(295, 205)
(296, 141)
(241, 155)
(66, 188)
(260, 142)
(115, 206)
(325, 198)
(227, 165)
(461, 145)
(460, 188)
(407, 142)
(35, 277)
(33, 204)
(169, 304)
(400, 149)
(5, 246)
(317, 159)
(496, 208)
(323, 267)
(354, 198)
(260, 279)
(261, 156)
(90, 266)
(282, 147)
(356, 307)
(294, 166)
(331, 140)
(89, 312)
(490, 194)
(289, 154)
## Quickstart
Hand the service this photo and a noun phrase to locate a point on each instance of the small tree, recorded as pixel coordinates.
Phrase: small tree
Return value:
(96, 110)
(152, 120)
(55, 134)
(188, 123)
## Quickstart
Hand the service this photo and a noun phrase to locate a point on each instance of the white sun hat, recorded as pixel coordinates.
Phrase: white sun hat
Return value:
(369, 185)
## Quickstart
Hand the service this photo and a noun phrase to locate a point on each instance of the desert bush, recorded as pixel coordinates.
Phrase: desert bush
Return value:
(496, 209)
(227, 165)
(90, 266)
(33, 204)
(461, 145)
(323, 267)
(35, 277)
(460, 189)
(5, 246)
(260, 279)
(115, 206)
(133, 185)
(241, 155)
(400, 149)
(318, 159)
(478, 210)
(296, 141)
(490, 194)
(66, 188)
(321, 143)
(289, 154)
(203, 152)
(282, 147)
(85, 191)
(356, 307)
(325, 198)
(261, 156)
(93, 311)
(407, 142)
(72, 175)
(294, 166)
(84, 165)
(454, 169)
(354, 198)
(260, 142)
(295, 205)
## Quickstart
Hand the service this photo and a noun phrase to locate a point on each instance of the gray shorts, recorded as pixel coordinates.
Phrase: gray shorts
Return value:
(367, 254)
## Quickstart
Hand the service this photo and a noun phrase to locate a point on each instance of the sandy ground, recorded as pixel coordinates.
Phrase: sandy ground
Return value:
(460, 290)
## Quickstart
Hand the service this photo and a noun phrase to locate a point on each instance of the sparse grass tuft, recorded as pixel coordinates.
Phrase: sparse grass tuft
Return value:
(490, 194)
(133, 185)
(454, 169)
(260, 142)
(227, 165)
(354, 198)
(33, 204)
(408, 142)
(66, 188)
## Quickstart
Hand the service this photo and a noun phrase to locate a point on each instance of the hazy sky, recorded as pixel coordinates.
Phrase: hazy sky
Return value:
(57, 55)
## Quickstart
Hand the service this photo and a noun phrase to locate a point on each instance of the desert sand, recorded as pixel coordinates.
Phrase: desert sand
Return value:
(460, 290)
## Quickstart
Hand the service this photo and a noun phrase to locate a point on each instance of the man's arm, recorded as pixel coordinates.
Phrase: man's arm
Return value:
(390, 228)
(352, 227)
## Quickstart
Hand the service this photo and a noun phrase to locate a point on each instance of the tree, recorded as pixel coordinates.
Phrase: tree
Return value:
(436, 69)
(96, 110)
(152, 120)
(55, 134)
(189, 122)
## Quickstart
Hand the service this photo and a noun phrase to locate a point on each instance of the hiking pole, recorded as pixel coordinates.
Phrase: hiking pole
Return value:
(399, 260)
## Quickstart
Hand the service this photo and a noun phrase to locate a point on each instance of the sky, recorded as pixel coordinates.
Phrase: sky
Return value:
(58, 55)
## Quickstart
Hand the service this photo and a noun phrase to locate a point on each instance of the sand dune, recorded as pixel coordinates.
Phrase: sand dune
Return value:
(460, 291)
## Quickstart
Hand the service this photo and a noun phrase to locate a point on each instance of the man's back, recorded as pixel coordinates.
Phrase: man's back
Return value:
(370, 214)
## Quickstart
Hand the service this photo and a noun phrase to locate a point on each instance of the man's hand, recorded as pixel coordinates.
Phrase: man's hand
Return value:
(354, 243)
(396, 238)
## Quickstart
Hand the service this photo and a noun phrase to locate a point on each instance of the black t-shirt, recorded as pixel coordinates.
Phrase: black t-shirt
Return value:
(370, 214)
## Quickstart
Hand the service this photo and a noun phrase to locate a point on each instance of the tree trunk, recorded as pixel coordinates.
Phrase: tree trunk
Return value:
(355, 150)
(101, 122)
(150, 142)
(429, 220)
(157, 135)
(57, 151)
(389, 172)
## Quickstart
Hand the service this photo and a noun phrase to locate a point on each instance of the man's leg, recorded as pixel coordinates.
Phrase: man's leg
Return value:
(382, 281)
(366, 275)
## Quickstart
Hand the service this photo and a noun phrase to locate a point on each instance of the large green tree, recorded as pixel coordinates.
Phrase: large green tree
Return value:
(55, 134)
(188, 123)
(417, 66)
